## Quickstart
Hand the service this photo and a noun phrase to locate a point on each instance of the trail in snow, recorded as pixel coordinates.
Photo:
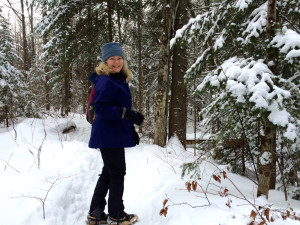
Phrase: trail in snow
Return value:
(153, 174)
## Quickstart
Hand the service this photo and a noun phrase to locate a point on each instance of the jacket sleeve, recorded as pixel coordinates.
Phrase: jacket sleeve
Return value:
(105, 93)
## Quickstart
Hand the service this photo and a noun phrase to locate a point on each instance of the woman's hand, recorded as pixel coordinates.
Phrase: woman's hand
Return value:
(136, 117)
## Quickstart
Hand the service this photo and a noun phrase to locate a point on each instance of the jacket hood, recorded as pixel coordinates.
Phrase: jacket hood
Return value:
(103, 69)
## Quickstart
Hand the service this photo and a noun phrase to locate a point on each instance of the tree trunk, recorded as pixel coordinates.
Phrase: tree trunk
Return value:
(66, 71)
(67, 107)
(6, 115)
(119, 23)
(25, 44)
(268, 141)
(110, 23)
(272, 184)
(33, 53)
(283, 179)
(141, 79)
(32, 44)
(47, 77)
(177, 110)
(160, 133)
(265, 167)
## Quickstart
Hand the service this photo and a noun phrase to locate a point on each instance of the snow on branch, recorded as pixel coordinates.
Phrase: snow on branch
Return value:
(200, 24)
(198, 61)
(257, 24)
(192, 24)
(248, 80)
(289, 43)
(243, 4)
(51, 19)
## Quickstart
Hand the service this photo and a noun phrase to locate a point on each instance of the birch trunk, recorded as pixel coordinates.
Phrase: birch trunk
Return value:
(160, 129)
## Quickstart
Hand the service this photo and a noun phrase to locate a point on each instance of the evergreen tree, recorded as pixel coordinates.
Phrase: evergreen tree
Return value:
(151, 31)
(75, 31)
(243, 90)
(11, 79)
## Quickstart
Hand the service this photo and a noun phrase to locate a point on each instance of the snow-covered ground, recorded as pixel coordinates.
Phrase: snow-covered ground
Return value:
(61, 181)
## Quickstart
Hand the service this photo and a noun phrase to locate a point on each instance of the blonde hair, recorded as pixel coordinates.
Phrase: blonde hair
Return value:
(103, 69)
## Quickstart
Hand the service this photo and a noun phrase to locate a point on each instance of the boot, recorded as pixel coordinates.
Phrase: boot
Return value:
(97, 217)
(126, 219)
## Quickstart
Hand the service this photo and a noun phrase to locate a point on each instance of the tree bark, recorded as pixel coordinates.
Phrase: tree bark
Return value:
(268, 141)
(119, 22)
(177, 109)
(66, 71)
(160, 132)
(66, 109)
(140, 65)
(24, 41)
(32, 50)
(47, 77)
(265, 167)
(110, 23)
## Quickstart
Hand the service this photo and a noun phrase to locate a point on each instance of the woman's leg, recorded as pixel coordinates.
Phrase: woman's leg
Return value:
(114, 162)
(100, 192)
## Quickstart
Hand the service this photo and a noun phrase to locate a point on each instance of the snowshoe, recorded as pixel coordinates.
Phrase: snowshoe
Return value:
(128, 219)
(97, 217)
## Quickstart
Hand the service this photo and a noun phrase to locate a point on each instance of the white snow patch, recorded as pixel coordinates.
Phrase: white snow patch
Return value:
(242, 4)
(153, 174)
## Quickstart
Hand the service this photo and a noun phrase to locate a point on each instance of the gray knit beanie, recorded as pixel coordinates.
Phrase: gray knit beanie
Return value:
(112, 49)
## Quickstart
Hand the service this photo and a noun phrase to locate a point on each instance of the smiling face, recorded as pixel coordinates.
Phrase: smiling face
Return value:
(115, 63)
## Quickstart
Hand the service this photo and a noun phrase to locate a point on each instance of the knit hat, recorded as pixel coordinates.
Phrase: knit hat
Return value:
(112, 49)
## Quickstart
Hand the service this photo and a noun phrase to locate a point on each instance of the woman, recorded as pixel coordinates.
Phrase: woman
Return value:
(112, 131)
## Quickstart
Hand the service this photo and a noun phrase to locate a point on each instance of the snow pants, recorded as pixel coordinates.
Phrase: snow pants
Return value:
(112, 179)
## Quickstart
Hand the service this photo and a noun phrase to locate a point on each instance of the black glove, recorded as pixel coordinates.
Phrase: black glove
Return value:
(136, 117)
(136, 138)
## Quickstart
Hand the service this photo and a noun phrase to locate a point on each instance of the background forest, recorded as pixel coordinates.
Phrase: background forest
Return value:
(230, 67)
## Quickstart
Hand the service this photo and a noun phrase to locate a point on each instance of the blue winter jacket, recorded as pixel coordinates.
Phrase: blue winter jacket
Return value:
(109, 130)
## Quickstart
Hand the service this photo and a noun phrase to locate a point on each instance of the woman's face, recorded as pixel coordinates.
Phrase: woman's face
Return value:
(115, 63)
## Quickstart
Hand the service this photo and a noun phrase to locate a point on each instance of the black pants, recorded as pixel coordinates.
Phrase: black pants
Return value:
(112, 179)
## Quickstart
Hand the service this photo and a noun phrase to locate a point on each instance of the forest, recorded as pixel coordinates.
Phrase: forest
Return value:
(230, 68)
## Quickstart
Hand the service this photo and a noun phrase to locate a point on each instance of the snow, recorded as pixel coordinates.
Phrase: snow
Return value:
(66, 174)
(287, 40)
(265, 158)
(199, 59)
(250, 79)
(242, 4)
(220, 41)
(192, 22)
(257, 24)
(291, 132)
